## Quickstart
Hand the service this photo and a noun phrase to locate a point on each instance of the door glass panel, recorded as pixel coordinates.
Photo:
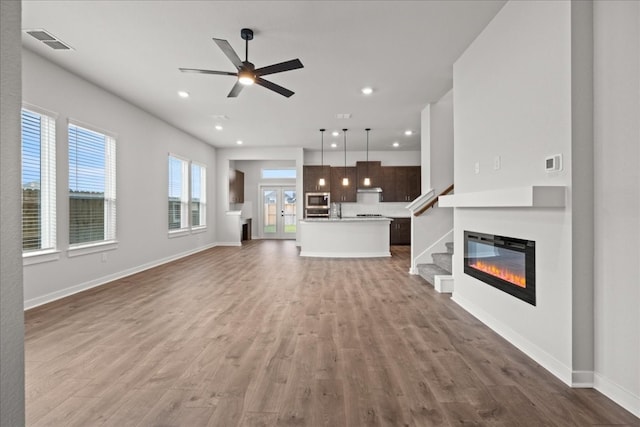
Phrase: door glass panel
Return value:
(289, 211)
(270, 205)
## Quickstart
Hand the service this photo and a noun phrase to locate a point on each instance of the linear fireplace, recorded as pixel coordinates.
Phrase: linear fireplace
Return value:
(505, 263)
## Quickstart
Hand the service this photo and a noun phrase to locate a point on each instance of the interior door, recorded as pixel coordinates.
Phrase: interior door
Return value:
(279, 212)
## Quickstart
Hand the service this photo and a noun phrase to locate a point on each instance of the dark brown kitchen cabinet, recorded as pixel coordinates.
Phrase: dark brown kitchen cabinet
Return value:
(311, 177)
(236, 186)
(400, 183)
(339, 192)
(372, 170)
(400, 231)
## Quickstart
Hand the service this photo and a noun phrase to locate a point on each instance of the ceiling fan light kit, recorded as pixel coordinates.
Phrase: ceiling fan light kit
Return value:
(246, 72)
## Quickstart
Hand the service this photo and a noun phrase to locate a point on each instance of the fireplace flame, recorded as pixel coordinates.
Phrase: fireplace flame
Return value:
(501, 273)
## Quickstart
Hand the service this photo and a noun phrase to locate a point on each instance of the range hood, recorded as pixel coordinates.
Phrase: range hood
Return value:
(369, 190)
(369, 195)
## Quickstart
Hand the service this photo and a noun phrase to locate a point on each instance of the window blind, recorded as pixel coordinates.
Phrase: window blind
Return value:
(38, 181)
(198, 195)
(178, 193)
(92, 186)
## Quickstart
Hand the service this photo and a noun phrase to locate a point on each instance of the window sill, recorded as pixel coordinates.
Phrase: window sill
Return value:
(39, 257)
(92, 248)
(200, 229)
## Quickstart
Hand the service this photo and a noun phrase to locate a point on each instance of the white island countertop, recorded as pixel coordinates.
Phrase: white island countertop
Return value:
(349, 237)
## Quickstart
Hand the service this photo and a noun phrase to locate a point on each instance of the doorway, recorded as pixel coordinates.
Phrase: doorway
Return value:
(279, 212)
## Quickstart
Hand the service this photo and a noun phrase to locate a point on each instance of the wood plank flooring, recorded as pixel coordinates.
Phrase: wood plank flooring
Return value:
(257, 336)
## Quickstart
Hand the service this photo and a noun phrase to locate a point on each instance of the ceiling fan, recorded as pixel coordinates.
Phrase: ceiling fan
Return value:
(247, 73)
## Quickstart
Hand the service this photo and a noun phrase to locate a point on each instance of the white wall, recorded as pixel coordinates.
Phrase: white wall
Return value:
(437, 173)
(143, 143)
(11, 314)
(512, 98)
(617, 204)
(335, 157)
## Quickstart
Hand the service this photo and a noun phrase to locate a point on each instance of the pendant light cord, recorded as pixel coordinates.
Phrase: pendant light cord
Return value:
(345, 151)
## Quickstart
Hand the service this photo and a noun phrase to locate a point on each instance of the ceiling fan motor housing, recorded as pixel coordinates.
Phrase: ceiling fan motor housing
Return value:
(246, 34)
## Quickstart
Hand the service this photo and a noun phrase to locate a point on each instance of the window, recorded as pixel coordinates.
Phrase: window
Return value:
(187, 194)
(178, 193)
(38, 182)
(198, 195)
(92, 186)
(278, 174)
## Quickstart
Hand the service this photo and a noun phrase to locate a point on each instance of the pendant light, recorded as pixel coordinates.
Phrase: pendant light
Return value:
(345, 180)
(367, 180)
(321, 181)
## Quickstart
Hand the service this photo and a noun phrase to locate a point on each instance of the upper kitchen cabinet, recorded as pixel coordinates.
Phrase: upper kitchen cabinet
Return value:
(372, 170)
(339, 192)
(311, 177)
(236, 186)
(401, 183)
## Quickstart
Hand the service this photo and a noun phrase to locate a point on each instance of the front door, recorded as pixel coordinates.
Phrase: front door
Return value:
(279, 212)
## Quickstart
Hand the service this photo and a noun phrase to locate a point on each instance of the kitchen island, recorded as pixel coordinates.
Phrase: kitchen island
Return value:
(360, 237)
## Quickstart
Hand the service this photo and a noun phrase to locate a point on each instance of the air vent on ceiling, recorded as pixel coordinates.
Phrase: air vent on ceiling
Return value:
(48, 39)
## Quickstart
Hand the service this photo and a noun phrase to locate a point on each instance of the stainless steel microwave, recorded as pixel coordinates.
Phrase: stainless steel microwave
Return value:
(318, 200)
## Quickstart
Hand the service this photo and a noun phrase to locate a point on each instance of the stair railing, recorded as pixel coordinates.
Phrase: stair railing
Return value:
(422, 210)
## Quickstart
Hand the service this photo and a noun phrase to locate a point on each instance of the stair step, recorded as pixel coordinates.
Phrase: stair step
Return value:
(428, 271)
(449, 246)
(443, 260)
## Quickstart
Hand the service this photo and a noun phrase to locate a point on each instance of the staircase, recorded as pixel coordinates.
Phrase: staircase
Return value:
(441, 265)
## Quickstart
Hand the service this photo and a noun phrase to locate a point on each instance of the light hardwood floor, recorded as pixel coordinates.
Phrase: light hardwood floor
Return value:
(257, 336)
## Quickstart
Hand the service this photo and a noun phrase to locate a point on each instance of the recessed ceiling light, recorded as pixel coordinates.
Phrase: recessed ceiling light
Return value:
(335, 133)
(239, 142)
(218, 127)
(183, 94)
(396, 144)
(367, 90)
(408, 132)
(334, 145)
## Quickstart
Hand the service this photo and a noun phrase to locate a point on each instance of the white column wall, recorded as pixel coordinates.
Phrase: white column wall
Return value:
(617, 200)
(512, 98)
(11, 314)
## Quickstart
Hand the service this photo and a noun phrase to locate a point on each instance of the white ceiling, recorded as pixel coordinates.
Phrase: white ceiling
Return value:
(403, 49)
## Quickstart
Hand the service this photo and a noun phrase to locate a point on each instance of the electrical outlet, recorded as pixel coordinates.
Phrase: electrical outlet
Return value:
(104, 257)
(496, 163)
(477, 167)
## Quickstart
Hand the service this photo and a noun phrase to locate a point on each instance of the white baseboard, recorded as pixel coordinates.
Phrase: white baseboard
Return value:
(620, 395)
(547, 361)
(413, 271)
(53, 296)
(582, 379)
(443, 284)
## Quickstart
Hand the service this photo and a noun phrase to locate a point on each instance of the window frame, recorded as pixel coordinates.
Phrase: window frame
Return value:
(109, 242)
(47, 169)
(202, 207)
(187, 196)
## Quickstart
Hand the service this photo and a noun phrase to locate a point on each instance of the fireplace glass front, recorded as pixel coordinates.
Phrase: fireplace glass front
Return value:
(505, 263)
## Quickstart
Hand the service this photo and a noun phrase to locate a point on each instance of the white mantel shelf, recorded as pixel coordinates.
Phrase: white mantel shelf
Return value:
(520, 197)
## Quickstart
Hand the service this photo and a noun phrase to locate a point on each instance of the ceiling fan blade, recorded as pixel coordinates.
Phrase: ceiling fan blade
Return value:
(196, 70)
(293, 64)
(235, 90)
(228, 50)
(274, 87)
